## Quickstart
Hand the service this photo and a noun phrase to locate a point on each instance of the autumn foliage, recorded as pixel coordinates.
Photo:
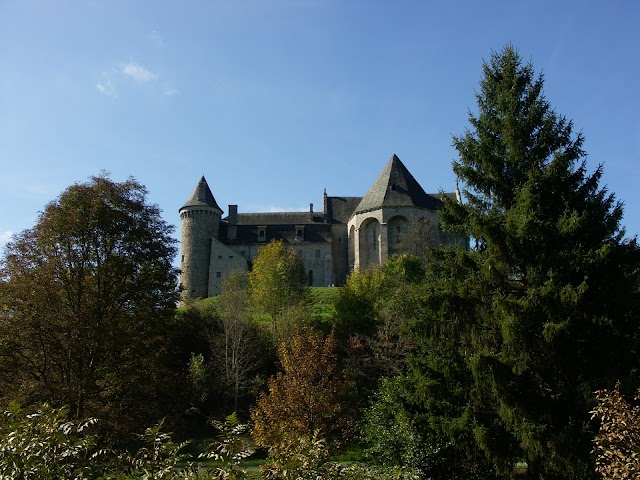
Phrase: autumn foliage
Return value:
(617, 444)
(307, 398)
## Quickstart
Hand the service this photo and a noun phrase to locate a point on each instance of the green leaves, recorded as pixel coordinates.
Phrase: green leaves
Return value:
(90, 290)
(45, 444)
(277, 282)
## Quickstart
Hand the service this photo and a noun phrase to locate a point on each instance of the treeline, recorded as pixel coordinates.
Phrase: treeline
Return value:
(462, 363)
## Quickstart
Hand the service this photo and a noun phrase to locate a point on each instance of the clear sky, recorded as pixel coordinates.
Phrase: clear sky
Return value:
(275, 100)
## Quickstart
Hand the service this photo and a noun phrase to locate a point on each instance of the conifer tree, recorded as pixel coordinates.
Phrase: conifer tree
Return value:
(519, 331)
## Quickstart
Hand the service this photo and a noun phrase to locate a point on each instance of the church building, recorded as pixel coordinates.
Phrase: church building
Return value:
(395, 216)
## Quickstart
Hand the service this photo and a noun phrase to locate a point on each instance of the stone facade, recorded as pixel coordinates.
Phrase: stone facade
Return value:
(394, 217)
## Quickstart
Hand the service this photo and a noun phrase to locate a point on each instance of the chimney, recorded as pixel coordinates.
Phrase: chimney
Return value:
(325, 206)
(311, 212)
(232, 223)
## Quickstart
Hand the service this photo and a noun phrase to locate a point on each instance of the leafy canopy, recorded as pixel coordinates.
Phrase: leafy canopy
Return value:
(86, 294)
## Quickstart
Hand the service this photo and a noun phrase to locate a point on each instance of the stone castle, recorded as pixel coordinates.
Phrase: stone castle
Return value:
(395, 216)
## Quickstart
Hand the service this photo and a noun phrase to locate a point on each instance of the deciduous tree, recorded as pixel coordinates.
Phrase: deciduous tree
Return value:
(86, 294)
(277, 282)
(239, 348)
(308, 397)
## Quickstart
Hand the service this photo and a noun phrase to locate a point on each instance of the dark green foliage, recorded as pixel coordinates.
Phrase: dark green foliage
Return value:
(542, 311)
(226, 355)
(389, 431)
(371, 315)
(88, 296)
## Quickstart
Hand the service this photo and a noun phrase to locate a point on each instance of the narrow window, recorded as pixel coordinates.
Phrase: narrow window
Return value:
(311, 277)
(261, 234)
(299, 234)
(182, 258)
(317, 253)
(243, 253)
(218, 274)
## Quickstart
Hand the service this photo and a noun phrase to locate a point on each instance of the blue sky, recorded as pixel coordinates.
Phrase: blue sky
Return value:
(275, 100)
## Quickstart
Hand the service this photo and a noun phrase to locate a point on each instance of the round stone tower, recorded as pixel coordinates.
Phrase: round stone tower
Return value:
(200, 216)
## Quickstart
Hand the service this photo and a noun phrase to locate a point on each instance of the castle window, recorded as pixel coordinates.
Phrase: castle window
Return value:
(317, 253)
(339, 239)
(218, 274)
(262, 234)
(230, 256)
(299, 233)
(219, 257)
(243, 253)
(300, 253)
(182, 258)
(393, 188)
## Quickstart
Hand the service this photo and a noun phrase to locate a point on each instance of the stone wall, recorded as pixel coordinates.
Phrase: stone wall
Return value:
(224, 260)
(199, 226)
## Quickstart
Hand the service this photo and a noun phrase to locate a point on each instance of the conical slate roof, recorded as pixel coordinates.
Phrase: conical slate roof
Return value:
(396, 187)
(201, 197)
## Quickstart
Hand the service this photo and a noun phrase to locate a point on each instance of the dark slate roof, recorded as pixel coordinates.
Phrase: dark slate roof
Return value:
(340, 209)
(249, 234)
(279, 218)
(201, 197)
(396, 187)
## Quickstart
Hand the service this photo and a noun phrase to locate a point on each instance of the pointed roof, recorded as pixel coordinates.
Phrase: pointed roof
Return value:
(201, 196)
(396, 187)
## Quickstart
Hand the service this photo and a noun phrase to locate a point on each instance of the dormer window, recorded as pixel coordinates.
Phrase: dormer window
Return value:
(300, 233)
(262, 233)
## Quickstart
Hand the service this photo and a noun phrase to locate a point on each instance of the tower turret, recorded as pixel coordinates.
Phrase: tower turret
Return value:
(200, 216)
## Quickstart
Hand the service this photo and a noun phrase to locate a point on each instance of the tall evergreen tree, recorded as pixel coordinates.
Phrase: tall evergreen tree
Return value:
(542, 310)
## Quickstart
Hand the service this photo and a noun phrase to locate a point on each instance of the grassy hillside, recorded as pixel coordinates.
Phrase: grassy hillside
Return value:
(322, 302)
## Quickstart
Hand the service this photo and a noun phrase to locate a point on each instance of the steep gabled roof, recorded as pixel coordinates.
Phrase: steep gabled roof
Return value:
(340, 209)
(396, 187)
(201, 197)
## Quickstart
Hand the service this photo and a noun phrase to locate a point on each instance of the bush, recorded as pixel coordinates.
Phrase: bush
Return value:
(617, 444)
(45, 444)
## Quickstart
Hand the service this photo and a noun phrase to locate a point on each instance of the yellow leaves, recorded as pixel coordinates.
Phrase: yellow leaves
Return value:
(306, 397)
